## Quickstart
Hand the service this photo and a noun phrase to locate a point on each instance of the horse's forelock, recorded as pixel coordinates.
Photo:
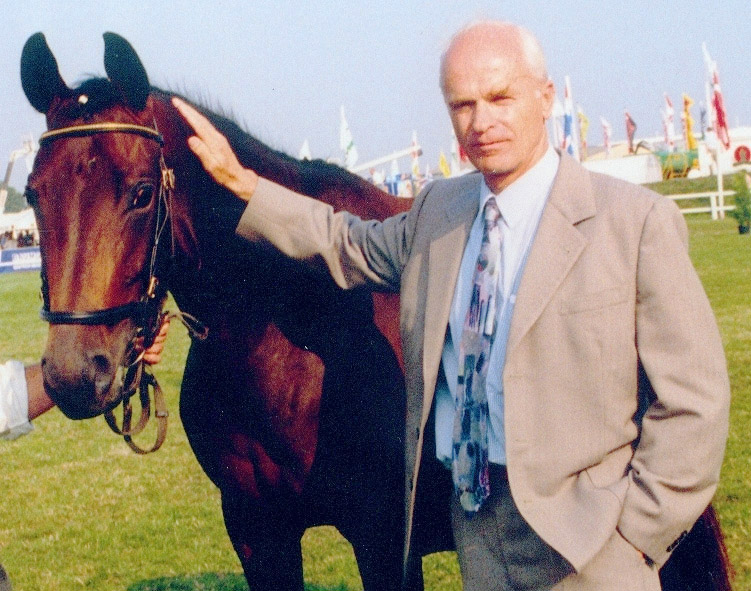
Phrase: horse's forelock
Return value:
(91, 97)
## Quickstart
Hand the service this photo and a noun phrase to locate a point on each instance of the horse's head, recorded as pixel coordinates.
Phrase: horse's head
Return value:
(97, 194)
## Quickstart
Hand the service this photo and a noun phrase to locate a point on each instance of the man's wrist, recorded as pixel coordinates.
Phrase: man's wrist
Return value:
(14, 401)
(246, 184)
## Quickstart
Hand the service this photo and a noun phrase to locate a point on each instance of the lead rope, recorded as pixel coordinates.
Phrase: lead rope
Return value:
(138, 379)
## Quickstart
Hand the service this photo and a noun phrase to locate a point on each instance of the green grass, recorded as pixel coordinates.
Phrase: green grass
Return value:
(78, 510)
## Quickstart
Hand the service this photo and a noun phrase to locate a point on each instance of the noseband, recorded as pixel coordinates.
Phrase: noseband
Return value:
(145, 313)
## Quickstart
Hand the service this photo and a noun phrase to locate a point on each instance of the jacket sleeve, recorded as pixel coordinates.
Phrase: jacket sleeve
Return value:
(354, 251)
(676, 464)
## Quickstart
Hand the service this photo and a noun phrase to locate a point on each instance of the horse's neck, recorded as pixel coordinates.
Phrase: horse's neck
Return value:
(205, 216)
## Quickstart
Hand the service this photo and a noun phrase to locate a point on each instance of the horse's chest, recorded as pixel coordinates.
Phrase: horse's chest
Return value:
(262, 400)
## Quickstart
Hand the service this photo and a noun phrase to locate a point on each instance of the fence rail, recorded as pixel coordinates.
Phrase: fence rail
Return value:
(716, 205)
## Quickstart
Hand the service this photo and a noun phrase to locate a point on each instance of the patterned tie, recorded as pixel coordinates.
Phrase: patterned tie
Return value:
(470, 436)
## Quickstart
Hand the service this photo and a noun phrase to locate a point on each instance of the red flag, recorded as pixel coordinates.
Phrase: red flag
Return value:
(718, 104)
(719, 107)
(630, 130)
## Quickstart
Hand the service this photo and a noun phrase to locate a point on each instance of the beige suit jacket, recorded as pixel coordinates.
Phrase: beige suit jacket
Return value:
(615, 385)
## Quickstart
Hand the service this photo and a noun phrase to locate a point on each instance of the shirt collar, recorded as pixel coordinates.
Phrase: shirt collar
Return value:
(527, 194)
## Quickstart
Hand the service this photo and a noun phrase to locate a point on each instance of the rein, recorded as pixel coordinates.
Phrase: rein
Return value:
(146, 313)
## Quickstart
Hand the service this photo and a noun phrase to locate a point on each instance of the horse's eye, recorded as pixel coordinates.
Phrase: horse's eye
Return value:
(32, 197)
(141, 195)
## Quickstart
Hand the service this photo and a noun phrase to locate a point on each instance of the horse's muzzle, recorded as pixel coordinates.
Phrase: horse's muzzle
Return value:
(81, 380)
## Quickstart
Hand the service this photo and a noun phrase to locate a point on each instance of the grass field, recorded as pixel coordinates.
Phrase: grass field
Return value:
(78, 510)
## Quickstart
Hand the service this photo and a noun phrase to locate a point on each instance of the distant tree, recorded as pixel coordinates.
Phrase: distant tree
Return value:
(16, 201)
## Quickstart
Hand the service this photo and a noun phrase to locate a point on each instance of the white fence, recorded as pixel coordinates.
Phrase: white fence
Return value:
(716, 205)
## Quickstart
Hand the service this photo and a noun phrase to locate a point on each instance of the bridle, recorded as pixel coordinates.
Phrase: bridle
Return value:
(146, 313)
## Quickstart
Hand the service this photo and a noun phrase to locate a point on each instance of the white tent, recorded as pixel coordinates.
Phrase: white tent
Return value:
(22, 220)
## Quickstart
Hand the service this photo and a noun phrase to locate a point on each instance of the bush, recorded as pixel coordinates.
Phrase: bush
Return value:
(742, 211)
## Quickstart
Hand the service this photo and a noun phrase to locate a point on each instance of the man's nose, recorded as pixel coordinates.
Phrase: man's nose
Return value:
(483, 117)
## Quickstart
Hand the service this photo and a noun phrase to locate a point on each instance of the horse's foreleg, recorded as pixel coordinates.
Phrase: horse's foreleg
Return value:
(380, 564)
(270, 552)
(413, 580)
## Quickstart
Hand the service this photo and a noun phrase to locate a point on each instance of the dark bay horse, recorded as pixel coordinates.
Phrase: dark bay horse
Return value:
(294, 404)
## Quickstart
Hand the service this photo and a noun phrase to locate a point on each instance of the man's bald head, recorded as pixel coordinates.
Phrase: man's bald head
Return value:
(498, 36)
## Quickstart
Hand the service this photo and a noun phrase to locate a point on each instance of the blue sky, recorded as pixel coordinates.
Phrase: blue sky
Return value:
(285, 67)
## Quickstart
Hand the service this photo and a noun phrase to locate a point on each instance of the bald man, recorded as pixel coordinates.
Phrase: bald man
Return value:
(562, 361)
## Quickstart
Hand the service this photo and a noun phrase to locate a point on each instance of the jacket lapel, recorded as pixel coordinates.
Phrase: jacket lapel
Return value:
(557, 246)
(446, 252)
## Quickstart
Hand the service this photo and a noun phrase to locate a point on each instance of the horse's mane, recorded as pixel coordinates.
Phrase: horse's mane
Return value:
(316, 178)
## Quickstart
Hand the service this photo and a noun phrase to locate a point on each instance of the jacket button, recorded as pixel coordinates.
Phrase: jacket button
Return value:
(674, 545)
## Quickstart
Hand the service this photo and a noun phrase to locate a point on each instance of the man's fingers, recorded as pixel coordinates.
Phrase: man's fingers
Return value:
(196, 120)
(199, 148)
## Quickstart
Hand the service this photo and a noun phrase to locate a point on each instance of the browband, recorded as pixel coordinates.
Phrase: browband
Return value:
(94, 128)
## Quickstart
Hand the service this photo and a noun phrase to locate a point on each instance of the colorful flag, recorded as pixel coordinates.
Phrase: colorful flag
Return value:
(606, 132)
(720, 123)
(688, 123)
(443, 165)
(667, 123)
(392, 180)
(630, 131)
(569, 144)
(583, 129)
(346, 143)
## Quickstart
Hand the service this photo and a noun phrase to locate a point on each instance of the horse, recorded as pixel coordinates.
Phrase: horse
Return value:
(294, 403)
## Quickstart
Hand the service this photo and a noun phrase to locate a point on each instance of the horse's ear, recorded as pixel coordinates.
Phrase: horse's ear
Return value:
(40, 76)
(125, 70)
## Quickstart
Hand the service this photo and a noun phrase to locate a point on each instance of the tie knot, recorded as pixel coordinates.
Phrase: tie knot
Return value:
(491, 213)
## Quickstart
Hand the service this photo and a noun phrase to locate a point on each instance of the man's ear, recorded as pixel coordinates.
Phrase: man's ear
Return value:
(547, 98)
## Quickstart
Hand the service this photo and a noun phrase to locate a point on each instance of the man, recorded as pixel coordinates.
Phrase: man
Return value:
(565, 359)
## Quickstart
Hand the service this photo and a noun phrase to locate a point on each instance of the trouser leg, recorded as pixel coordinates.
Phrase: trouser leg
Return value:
(498, 550)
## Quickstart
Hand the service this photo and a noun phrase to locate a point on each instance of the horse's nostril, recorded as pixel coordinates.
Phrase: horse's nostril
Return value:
(101, 363)
(103, 373)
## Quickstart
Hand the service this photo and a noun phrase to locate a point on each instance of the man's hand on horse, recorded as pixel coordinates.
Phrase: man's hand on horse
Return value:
(153, 354)
(215, 153)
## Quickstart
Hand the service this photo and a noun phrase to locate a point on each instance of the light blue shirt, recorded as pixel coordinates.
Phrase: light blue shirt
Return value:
(521, 205)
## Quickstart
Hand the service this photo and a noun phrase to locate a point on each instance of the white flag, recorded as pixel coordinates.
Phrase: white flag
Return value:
(305, 152)
(346, 143)
(606, 132)
(416, 151)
